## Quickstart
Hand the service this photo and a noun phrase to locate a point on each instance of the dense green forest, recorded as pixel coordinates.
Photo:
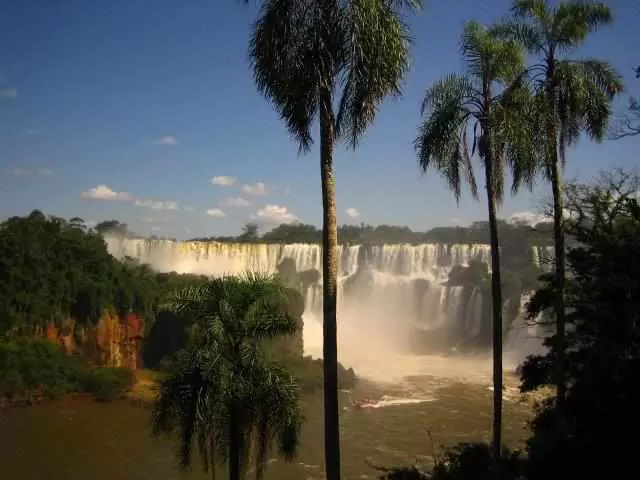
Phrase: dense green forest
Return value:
(54, 270)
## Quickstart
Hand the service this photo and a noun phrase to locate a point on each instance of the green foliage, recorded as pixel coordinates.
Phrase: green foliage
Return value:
(109, 384)
(466, 461)
(31, 368)
(603, 341)
(224, 394)
(53, 270)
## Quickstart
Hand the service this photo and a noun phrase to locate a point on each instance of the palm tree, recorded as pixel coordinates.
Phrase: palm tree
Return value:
(334, 62)
(574, 96)
(490, 100)
(223, 393)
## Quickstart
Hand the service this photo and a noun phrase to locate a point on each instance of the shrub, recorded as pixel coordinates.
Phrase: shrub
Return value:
(33, 367)
(108, 384)
(466, 461)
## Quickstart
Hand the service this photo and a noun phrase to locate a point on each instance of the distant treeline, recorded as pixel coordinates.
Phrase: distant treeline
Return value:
(477, 232)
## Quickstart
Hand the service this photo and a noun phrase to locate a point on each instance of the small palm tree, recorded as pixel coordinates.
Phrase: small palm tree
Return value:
(334, 62)
(574, 96)
(492, 103)
(223, 394)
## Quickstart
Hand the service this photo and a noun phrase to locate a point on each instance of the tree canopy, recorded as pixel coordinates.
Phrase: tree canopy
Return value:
(54, 270)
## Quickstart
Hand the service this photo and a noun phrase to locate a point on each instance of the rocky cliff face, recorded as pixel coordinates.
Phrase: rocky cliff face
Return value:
(113, 342)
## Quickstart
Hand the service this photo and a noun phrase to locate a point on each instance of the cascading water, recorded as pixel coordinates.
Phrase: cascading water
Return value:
(386, 293)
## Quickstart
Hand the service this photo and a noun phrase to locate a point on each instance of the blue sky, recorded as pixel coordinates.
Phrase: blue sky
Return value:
(143, 102)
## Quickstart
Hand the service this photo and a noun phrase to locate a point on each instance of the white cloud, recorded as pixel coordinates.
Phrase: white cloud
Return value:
(276, 214)
(223, 181)
(216, 212)
(103, 192)
(456, 221)
(156, 228)
(17, 172)
(527, 218)
(352, 212)
(167, 140)
(257, 189)
(235, 202)
(157, 204)
(8, 92)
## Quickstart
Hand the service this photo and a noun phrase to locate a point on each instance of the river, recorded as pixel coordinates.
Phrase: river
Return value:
(81, 439)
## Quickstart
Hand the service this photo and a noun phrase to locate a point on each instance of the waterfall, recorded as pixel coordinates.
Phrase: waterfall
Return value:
(393, 290)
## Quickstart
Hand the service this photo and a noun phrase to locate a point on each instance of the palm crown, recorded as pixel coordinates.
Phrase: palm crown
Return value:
(489, 102)
(576, 94)
(223, 393)
(357, 48)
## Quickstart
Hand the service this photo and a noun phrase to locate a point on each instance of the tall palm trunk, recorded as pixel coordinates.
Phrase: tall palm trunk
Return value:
(496, 306)
(329, 290)
(558, 242)
(235, 445)
(558, 237)
(212, 456)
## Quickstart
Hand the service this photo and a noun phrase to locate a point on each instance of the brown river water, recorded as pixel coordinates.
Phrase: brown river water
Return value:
(81, 439)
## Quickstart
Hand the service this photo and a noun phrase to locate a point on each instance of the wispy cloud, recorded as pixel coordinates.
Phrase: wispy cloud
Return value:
(528, 218)
(256, 189)
(352, 212)
(235, 202)
(167, 140)
(8, 92)
(276, 214)
(106, 193)
(19, 172)
(157, 204)
(223, 181)
(216, 212)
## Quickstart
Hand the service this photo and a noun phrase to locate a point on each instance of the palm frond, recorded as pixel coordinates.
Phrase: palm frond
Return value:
(410, 5)
(285, 53)
(573, 21)
(376, 57)
(441, 137)
(524, 34)
(490, 56)
(585, 91)
(538, 11)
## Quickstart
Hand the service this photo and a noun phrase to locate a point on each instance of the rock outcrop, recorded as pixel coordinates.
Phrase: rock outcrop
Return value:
(112, 342)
